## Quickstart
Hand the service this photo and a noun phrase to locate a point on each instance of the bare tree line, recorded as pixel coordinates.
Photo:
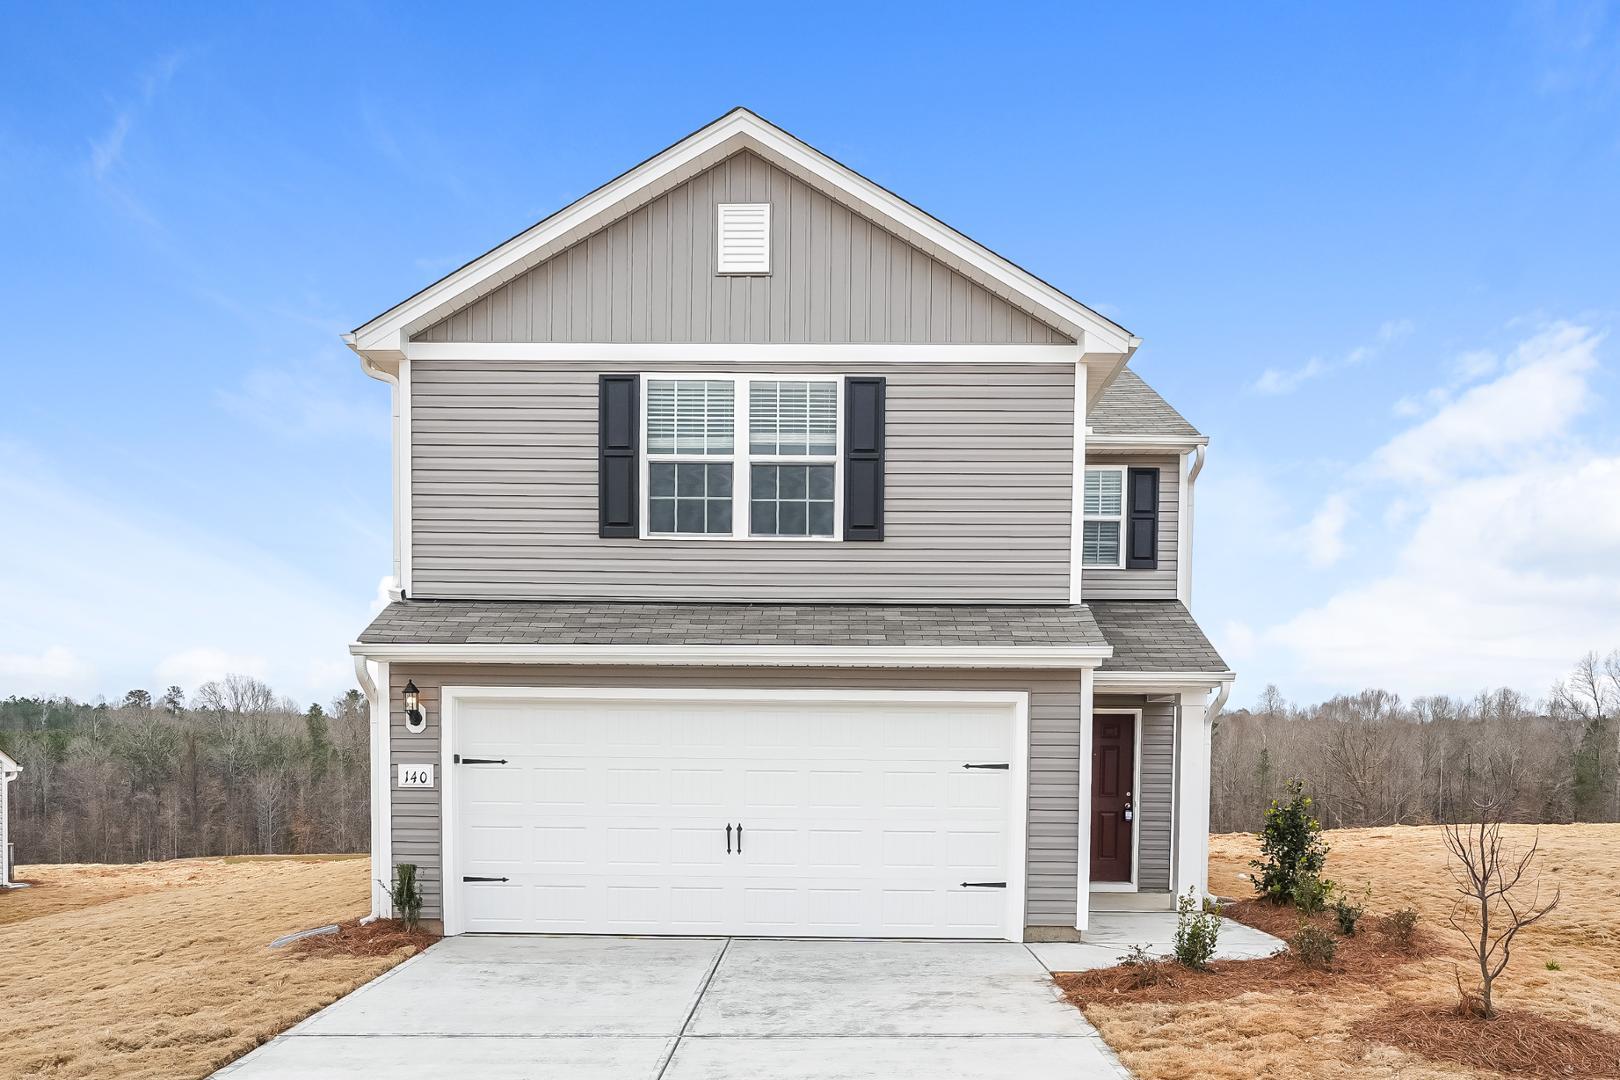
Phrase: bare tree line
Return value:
(234, 770)
(1371, 759)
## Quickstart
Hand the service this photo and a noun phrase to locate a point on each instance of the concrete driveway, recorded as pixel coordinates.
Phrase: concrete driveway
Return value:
(598, 1008)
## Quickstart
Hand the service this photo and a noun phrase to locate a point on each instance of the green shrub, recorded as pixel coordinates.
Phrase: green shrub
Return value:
(406, 894)
(1348, 910)
(1197, 930)
(1314, 946)
(1400, 927)
(1291, 849)
(1553, 965)
(1311, 894)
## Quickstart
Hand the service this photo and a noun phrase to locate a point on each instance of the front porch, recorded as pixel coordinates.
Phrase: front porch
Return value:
(1144, 798)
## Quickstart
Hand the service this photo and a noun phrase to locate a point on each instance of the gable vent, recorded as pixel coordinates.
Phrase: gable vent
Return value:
(745, 238)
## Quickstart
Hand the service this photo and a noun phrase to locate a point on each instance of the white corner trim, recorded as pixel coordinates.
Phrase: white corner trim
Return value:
(1077, 487)
(754, 355)
(1184, 534)
(451, 698)
(737, 130)
(919, 656)
(403, 506)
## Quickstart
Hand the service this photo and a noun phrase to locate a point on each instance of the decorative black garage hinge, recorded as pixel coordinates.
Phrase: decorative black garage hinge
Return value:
(484, 879)
(984, 884)
(479, 760)
(997, 765)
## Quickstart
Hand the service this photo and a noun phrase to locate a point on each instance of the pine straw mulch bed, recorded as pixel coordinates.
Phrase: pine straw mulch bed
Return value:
(1515, 1043)
(1369, 956)
(381, 938)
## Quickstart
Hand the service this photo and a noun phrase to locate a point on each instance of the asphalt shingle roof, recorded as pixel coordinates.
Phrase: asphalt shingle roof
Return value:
(1131, 407)
(1154, 635)
(1147, 635)
(533, 622)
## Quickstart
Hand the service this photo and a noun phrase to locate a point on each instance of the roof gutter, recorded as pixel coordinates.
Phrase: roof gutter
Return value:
(1163, 680)
(1064, 657)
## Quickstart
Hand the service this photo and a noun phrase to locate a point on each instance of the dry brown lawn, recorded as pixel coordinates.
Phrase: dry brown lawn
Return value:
(1290, 1033)
(162, 970)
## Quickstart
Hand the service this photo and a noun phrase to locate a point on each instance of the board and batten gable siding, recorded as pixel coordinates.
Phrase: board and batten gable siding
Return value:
(650, 277)
(1054, 718)
(1097, 583)
(1155, 802)
(977, 490)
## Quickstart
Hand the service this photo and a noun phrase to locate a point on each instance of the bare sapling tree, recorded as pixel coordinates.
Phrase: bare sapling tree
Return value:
(1499, 894)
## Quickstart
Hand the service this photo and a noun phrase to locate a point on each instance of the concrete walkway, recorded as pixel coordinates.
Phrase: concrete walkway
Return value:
(596, 1008)
(1112, 933)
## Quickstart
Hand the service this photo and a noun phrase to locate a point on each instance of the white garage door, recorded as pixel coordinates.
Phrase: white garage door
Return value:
(775, 816)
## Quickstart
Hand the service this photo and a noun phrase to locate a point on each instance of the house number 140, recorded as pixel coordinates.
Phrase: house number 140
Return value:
(416, 776)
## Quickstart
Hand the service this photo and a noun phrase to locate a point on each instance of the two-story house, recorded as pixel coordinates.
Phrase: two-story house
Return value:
(773, 559)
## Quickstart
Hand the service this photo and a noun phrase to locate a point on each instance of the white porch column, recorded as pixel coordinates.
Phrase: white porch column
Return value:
(1191, 858)
(377, 705)
(1082, 875)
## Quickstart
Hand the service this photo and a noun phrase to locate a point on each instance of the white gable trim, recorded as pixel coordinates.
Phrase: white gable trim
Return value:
(383, 338)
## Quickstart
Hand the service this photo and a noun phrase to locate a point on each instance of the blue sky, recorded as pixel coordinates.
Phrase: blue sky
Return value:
(1371, 250)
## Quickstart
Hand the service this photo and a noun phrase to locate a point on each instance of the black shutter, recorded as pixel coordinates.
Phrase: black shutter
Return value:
(1142, 524)
(863, 458)
(617, 427)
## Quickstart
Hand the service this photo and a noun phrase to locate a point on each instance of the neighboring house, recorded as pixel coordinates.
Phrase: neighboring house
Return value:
(8, 772)
(773, 559)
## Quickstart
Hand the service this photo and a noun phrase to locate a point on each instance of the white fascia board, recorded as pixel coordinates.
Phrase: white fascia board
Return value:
(1163, 680)
(1175, 444)
(914, 656)
(758, 355)
(8, 767)
(386, 335)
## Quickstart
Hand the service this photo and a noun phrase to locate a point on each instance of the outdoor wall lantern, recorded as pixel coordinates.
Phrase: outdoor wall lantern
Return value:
(415, 718)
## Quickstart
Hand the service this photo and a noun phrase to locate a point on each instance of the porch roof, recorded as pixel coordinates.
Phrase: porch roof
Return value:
(538, 622)
(1153, 636)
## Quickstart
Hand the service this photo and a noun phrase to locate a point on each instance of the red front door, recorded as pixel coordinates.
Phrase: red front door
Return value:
(1113, 767)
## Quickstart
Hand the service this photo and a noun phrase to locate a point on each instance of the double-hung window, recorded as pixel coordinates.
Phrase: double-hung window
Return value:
(1102, 539)
(742, 456)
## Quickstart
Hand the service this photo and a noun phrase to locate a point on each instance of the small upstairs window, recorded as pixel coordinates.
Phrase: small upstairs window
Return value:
(1104, 525)
(745, 238)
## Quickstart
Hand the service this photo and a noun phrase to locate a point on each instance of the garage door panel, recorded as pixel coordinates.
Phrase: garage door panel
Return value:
(610, 817)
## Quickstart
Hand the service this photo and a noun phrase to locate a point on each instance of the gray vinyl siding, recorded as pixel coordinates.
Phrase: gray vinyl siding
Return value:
(650, 277)
(504, 501)
(1156, 745)
(1053, 777)
(1159, 584)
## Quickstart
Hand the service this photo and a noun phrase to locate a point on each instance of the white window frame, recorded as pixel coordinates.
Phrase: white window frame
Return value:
(740, 458)
(1119, 519)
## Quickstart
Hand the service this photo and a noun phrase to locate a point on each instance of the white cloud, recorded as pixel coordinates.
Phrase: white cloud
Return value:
(107, 149)
(193, 667)
(1504, 536)
(309, 399)
(1531, 406)
(56, 670)
(1323, 537)
(1275, 381)
(126, 594)
(1236, 641)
